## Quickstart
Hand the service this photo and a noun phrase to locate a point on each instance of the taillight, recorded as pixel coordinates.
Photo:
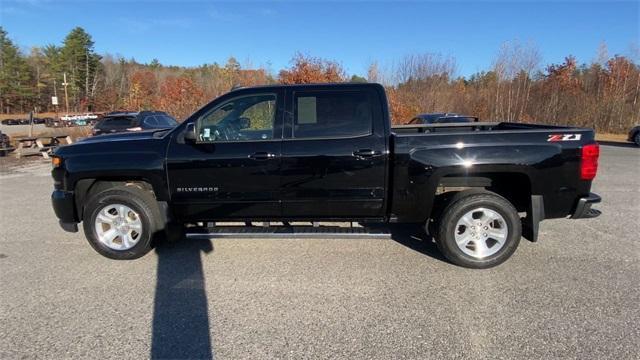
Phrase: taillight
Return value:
(589, 161)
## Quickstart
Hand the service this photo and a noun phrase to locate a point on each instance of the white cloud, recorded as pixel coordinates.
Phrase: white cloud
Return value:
(144, 25)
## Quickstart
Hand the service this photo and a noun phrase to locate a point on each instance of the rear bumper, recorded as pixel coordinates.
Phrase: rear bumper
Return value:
(583, 208)
(64, 207)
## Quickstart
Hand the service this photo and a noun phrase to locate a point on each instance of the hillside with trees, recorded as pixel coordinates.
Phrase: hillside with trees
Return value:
(603, 94)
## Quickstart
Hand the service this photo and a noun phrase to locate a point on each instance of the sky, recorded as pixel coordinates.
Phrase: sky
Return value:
(353, 33)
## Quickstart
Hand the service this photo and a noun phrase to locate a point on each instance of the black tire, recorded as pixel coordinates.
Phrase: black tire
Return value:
(142, 202)
(463, 204)
(636, 139)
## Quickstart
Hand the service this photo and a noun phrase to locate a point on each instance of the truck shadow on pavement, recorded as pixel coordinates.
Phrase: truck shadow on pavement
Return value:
(618, 144)
(414, 237)
(181, 328)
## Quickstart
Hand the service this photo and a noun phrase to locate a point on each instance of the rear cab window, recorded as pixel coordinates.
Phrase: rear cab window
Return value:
(159, 121)
(166, 121)
(117, 122)
(332, 114)
(150, 121)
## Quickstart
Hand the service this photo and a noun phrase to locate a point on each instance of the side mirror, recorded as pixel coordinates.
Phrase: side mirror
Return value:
(190, 132)
(244, 123)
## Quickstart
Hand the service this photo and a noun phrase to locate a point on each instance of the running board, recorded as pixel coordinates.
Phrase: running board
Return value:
(286, 232)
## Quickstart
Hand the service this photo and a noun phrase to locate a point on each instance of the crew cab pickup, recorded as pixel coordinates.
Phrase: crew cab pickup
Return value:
(326, 152)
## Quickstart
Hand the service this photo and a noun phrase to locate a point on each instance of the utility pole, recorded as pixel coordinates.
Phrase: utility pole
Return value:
(66, 96)
(86, 78)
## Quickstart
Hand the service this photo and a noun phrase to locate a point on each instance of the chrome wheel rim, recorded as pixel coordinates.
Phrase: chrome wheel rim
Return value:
(118, 227)
(481, 232)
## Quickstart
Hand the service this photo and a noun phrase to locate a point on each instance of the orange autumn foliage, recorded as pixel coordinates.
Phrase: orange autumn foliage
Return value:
(180, 96)
(142, 91)
(306, 70)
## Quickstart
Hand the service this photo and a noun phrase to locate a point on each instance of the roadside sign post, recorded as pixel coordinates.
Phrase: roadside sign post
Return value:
(54, 102)
(30, 123)
(54, 98)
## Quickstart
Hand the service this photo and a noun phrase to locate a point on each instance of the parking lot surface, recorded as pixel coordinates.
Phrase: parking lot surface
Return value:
(21, 129)
(574, 294)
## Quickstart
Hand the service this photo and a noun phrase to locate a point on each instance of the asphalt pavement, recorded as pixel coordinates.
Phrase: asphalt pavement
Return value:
(574, 294)
(21, 129)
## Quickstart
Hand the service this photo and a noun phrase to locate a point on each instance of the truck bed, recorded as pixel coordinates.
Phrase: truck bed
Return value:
(542, 158)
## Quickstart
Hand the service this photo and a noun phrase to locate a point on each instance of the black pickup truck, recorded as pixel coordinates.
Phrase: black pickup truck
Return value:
(326, 152)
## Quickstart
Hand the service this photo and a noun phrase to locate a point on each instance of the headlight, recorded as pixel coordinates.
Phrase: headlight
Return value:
(56, 161)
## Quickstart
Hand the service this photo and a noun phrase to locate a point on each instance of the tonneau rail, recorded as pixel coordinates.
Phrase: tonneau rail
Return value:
(433, 127)
(445, 125)
(426, 128)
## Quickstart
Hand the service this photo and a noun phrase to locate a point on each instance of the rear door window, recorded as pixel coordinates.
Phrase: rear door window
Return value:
(332, 114)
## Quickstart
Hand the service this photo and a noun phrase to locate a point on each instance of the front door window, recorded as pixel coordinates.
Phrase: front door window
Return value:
(245, 118)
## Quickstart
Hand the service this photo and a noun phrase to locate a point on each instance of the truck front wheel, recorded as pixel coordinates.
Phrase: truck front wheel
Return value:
(479, 231)
(120, 223)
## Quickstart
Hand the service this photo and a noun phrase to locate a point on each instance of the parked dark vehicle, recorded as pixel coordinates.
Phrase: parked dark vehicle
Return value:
(326, 153)
(133, 121)
(22, 121)
(441, 118)
(10, 122)
(51, 122)
(5, 144)
(634, 135)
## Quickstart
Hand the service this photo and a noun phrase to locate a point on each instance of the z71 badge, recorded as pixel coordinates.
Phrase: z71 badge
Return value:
(564, 137)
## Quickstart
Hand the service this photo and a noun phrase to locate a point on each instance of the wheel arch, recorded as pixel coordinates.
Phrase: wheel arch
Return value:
(512, 185)
(515, 187)
(87, 187)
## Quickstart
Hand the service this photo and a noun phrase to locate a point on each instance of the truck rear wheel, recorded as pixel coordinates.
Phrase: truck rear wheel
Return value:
(120, 223)
(480, 230)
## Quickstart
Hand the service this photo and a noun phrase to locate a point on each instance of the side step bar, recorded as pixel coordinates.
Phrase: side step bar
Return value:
(286, 232)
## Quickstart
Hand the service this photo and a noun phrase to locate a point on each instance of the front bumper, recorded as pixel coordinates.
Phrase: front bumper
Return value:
(583, 208)
(64, 206)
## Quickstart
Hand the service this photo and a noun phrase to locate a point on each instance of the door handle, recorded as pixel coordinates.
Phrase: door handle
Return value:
(262, 156)
(366, 153)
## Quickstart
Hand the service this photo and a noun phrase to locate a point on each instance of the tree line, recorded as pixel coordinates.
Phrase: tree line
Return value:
(603, 94)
